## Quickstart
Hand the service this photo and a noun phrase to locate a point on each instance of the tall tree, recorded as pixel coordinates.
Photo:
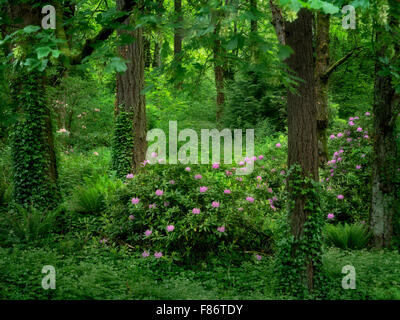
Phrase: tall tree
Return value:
(34, 159)
(130, 102)
(302, 138)
(385, 110)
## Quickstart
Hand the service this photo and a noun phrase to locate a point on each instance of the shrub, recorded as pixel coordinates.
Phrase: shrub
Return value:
(204, 223)
(347, 236)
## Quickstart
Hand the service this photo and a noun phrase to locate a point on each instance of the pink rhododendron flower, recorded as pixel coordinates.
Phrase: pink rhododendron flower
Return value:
(283, 172)
(228, 173)
(159, 192)
(330, 216)
(359, 129)
(339, 135)
(221, 229)
(148, 233)
(258, 257)
(215, 166)
(170, 228)
(349, 139)
(358, 167)
(131, 217)
(129, 176)
(340, 197)
(215, 204)
(227, 191)
(278, 145)
(351, 123)
(332, 136)
(187, 169)
(135, 200)
(250, 199)
(366, 136)
(241, 163)
(367, 113)
(270, 190)
(203, 189)
(158, 255)
(153, 155)
(260, 157)
(198, 176)
(239, 179)
(259, 178)
(145, 254)
(196, 210)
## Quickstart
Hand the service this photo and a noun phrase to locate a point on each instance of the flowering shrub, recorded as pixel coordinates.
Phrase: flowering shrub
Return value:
(346, 177)
(185, 211)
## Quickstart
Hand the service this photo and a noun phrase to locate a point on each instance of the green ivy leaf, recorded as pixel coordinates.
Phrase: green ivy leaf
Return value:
(43, 52)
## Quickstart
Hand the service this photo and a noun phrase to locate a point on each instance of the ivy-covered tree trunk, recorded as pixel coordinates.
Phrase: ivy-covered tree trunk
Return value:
(34, 158)
(321, 84)
(384, 109)
(302, 153)
(130, 105)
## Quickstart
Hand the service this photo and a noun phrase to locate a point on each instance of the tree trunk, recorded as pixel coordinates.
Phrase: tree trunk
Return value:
(384, 110)
(302, 126)
(147, 52)
(34, 158)
(278, 22)
(218, 65)
(129, 97)
(321, 84)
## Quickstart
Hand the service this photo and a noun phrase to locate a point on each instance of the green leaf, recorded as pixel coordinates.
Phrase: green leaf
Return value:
(116, 64)
(31, 29)
(43, 52)
(232, 44)
(55, 53)
(284, 52)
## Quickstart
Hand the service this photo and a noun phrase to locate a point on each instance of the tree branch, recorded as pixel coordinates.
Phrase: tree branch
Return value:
(103, 34)
(338, 63)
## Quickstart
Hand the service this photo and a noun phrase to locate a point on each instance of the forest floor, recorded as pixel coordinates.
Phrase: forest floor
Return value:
(96, 272)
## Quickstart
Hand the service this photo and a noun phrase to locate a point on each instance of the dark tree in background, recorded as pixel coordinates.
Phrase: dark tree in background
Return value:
(385, 109)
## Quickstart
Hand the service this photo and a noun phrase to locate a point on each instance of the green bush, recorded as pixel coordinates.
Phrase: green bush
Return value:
(347, 236)
(236, 225)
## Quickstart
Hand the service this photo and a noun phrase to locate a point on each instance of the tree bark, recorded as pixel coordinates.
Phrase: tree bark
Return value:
(384, 110)
(129, 87)
(219, 63)
(321, 84)
(302, 124)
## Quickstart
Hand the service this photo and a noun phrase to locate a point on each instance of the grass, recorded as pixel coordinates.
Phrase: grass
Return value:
(95, 272)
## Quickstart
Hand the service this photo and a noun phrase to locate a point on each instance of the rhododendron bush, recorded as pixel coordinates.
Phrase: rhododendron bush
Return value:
(196, 212)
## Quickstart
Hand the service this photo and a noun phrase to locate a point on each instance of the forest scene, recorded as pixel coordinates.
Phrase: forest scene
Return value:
(199, 150)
